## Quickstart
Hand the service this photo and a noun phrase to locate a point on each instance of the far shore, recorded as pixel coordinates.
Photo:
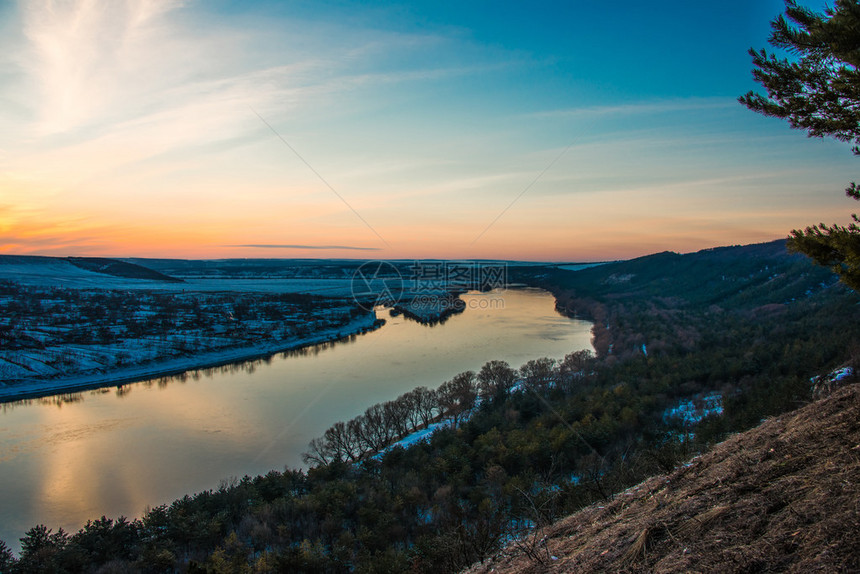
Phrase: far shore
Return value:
(174, 366)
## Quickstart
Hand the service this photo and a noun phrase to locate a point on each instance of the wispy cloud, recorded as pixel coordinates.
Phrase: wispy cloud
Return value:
(140, 73)
(320, 247)
(88, 57)
(639, 108)
(129, 122)
(116, 95)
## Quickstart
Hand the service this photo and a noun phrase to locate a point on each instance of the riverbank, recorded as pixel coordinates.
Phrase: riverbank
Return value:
(162, 368)
(69, 459)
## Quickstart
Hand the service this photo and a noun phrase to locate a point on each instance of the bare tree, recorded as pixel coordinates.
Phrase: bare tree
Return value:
(376, 428)
(363, 432)
(319, 453)
(427, 404)
(355, 429)
(396, 415)
(495, 377)
(410, 403)
(458, 395)
(343, 442)
(539, 374)
(575, 366)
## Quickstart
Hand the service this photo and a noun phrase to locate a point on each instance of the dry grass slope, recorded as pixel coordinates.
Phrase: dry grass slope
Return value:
(783, 497)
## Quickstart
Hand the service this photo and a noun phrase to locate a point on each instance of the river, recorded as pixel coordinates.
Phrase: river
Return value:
(116, 451)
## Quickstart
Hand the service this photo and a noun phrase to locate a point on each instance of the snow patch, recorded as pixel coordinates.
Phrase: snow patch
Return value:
(692, 411)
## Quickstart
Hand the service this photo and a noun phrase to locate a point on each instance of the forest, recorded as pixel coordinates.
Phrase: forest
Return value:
(751, 327)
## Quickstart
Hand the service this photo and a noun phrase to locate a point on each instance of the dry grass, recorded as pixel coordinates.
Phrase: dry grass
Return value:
(637, 549)
(701, 521)
(783, 497)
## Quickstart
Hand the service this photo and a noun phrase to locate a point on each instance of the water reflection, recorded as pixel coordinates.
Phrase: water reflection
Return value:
(248, 366)
(68, 458)
(53, 400)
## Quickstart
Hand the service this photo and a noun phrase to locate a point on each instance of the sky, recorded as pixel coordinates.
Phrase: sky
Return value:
(554, 131)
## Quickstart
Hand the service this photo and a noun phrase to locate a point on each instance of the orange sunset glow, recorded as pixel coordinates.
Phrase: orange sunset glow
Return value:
(311, 137)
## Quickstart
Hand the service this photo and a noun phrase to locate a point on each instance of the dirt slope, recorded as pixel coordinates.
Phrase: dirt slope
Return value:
(784, 496)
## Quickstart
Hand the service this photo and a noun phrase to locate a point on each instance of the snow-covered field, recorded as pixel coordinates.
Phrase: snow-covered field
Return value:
(162, 365)
(54, 272)
(59, 273)
(54, 336)
(64, 320)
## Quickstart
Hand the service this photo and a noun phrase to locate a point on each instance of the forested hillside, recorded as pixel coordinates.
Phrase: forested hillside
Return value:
(779, 498)
(690, 348)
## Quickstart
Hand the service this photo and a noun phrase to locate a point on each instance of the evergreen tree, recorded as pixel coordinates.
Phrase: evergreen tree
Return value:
(817, 91)
(6, 558)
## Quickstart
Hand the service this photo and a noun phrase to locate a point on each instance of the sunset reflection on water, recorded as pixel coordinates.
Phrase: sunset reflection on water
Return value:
(115, 451)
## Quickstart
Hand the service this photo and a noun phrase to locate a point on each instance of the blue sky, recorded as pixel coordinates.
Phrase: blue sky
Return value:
(549, 130)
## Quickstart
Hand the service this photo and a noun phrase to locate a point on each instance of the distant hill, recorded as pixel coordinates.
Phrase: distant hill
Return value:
(651, 299)
(120, 269)
(782, 497)
(13, 266)
(252, 268)
(738, 276)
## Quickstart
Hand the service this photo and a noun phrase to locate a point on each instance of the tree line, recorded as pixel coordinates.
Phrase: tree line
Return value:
(384, 423)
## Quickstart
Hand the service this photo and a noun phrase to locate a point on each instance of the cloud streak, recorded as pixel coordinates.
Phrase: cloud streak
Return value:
(639, 108)
(89, 57)
(319, 247)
